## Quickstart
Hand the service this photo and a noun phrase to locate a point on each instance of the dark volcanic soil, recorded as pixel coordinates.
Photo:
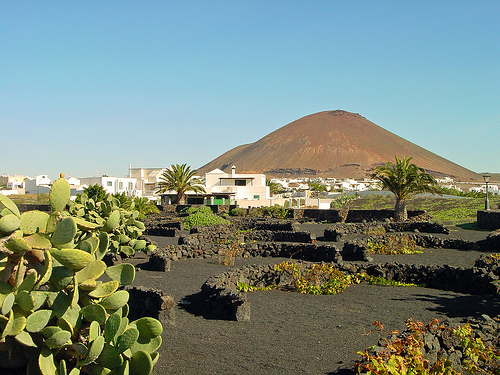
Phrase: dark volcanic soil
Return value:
(292, 333)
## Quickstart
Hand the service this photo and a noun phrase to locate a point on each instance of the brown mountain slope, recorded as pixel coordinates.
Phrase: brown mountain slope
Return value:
(331, 144)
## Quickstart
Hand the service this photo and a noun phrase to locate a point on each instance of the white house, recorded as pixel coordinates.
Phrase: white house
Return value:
(39, 185)
(244, 189)
(13, 184)
(148, 180)
(113, 185)
(492, 189)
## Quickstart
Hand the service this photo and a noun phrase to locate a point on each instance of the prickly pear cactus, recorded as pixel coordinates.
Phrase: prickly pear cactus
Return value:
(122, 225)
(61, 309)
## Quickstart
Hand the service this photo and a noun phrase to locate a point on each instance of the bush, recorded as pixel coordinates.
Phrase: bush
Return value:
(318, 279)
(404, 354)
(275, 211)
(394, 245)
(238, 212)
(202, 216)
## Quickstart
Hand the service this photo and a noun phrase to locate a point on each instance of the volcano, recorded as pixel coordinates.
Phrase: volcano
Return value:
(331, 144)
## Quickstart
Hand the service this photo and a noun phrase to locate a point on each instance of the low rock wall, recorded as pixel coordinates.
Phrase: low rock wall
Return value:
(258, 223)
(162, 224)
(337, 231)
(226, 302)
(309, 252)
(151, 302)
(353, 216)
(488, 219)
(356, 249)
(160, 259)
(279, 236)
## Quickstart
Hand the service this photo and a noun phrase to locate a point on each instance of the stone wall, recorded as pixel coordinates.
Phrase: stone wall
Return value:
(30, 207)
(353, 216)
(488, 219)
(309, 252)
(279, 236)
(151, 302)
(356, 249)
(225, 301)
(338, 230)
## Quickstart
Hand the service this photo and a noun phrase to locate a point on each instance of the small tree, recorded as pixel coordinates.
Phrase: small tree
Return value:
(404, 179)
(180, 178)
(96, 192)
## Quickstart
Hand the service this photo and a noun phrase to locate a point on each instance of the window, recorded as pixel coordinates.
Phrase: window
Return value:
(130, 185)
(120, 185)
(109, 183)
(240, 182)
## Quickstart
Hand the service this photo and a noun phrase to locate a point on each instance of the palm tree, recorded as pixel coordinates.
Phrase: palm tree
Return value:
(274, 187)
(180, 178)
(404, 180)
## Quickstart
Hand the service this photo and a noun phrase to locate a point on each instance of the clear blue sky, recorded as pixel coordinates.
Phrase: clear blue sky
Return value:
(87, 87)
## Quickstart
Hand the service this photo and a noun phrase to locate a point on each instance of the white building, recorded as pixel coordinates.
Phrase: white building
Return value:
(13, 184)
(492, 189)
(148, 180)
(38, 185)
(113, 185)
(244, 189)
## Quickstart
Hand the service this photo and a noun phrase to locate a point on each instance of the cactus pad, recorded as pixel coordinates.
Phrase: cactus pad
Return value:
(116, 300)
(94, 351)
(124, 273)
(64, 232)
(38, 320)
(59, 194)
(33, 222)
(105, 289)
(127, 339)
(149, 327)
(25, 300)
(8, 204)
(24, 338)
(93, 270)
(113, 221)
(58, 339)
(141, 363)
(73, 259)
(94, 313)
(110, 357)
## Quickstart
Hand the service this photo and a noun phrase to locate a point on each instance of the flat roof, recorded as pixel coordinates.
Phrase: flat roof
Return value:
(237, 178)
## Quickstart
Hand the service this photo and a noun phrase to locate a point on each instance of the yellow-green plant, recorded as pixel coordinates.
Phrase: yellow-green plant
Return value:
(404, 354)
(377, 230)
(394, 245)
(61, 309)
(321, 278)
(376, 280)
(243, 287)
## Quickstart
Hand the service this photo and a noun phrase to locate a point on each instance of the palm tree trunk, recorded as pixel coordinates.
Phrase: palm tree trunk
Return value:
(181, 199)
(400, 213)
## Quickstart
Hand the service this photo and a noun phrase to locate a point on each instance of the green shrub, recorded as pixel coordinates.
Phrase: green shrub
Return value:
(275, 211)
(62, 309)
(238, 211)
(202, 216)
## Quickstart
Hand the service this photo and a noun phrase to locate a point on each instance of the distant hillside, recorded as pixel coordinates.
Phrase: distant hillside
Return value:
(331, 144)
